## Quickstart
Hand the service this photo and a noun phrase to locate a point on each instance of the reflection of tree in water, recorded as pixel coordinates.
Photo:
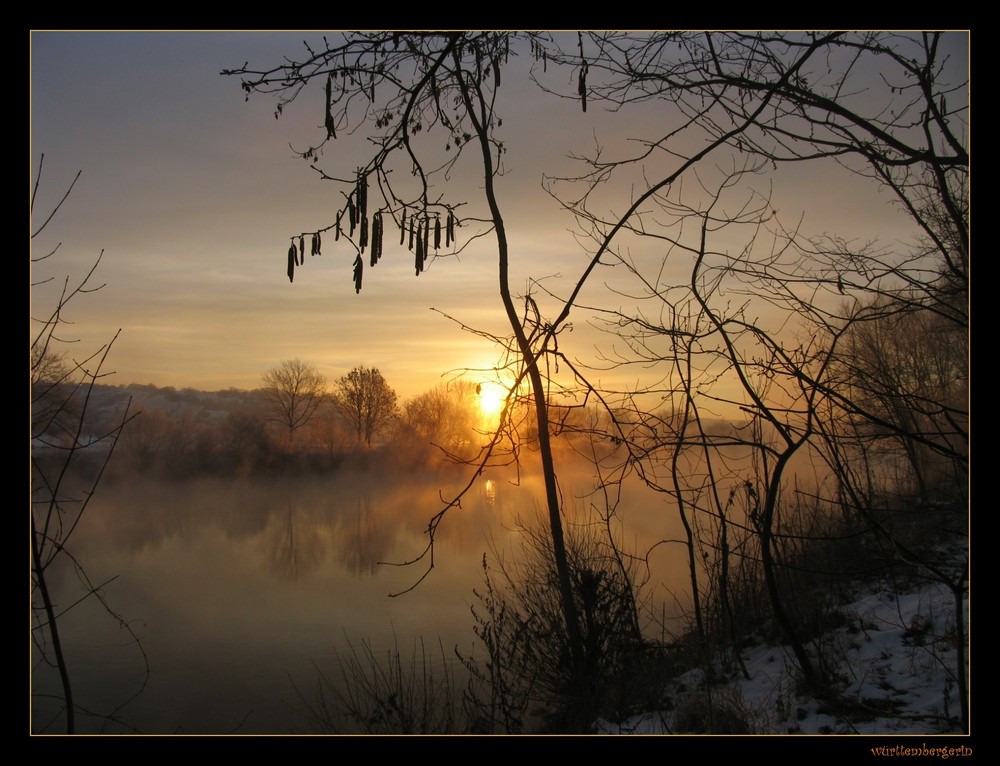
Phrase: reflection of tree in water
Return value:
(146, 513)
(364, 541)
(294, 544)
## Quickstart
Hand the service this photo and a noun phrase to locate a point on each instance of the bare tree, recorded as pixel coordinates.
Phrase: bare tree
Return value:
(367, 401)
(877, 103)
(70, 450)
(889, 106)
(444, 417)
(892, 108)
(400, 85)
(292, 393)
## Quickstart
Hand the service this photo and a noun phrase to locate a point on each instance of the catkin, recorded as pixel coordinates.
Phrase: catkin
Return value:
(362, 196)
(331, 130)
(376, 243)
(359, 268)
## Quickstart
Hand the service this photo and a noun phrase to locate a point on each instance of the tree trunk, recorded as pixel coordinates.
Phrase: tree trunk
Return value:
(561, 559)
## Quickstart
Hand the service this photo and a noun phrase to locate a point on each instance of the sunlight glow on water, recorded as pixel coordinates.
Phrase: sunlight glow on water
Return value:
(244, 592)
(490, 491)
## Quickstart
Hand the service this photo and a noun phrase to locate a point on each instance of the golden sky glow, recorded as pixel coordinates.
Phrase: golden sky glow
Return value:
(191, 193)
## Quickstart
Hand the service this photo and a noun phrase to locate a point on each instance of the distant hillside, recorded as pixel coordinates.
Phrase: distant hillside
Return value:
(205, 405)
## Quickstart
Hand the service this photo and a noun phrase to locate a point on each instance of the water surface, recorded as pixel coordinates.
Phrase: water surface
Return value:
(243, 591)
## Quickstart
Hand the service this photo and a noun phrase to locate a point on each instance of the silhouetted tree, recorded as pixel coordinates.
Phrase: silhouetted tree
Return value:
(892, 108)
(366, 400)
(445, 416)
(292, 392)
(69, 454)
(877, 103)
(399, 85)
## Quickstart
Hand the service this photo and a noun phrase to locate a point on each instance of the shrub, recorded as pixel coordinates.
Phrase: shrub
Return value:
(388, 694)
(526, 679)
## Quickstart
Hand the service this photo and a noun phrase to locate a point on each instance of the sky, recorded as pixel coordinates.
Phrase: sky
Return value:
(191, 193)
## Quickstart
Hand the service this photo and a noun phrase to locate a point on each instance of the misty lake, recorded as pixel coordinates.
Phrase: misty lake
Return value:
(244, 591)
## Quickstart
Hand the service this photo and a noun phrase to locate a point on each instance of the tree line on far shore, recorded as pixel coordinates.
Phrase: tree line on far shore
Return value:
(295, 421)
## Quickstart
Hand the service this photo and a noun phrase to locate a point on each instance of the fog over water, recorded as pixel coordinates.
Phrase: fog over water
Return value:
(243, 590)
(767, 357)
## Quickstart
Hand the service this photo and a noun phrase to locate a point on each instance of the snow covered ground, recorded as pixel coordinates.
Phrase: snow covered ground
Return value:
(894, 659)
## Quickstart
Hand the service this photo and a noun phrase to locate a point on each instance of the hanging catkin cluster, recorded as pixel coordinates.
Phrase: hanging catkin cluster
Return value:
(422, 236)
(538, 52)
(297, 254)
(425, 230)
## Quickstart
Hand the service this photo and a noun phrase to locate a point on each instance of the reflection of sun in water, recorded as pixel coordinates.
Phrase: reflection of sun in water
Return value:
(490, 491)
(491, 399)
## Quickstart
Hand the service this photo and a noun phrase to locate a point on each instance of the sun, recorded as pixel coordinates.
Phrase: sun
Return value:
(491, 399)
